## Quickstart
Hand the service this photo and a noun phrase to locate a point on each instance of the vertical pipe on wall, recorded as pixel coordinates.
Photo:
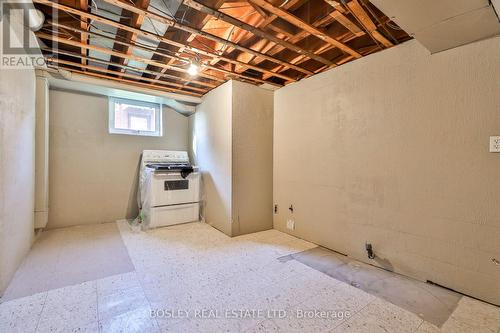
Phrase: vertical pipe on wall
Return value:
(41, 152)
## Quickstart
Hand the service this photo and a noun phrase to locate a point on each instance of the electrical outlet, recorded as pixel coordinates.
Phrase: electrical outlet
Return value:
(290, 224)
(494, 144)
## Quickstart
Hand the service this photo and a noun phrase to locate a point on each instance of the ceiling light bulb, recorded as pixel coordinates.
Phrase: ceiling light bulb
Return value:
(193, 69)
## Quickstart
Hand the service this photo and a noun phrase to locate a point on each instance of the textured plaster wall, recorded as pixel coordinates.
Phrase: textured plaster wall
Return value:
(17, 159)
(17, 169)
(93, 174)
(231, 137)
(211, 145)
(252, 159)
(393, 149)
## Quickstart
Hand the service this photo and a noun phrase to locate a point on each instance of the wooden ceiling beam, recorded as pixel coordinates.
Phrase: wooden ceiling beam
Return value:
(321, 49)
(285, 15)
(286, 6)
(126, 67)
(347, 23)
(259, 10)
(123, 55)
(259, 45)
(247, 27)
(283, 27)
(162, 54)
(106, 77)
(119, 74)
(180, 26)
(135, 22)
(153, 36)
(83, 4)
(199, 23)
(297, 38)
(365, 20)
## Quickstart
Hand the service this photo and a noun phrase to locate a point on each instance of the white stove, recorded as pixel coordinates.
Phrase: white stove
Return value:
(169, 188)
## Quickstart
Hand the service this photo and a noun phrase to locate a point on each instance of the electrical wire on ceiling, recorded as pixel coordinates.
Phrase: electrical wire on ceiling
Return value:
(284, 3)
(58, 32)
(393, 26)
(168, 9)
(102, 34)
(234, 7)
(153, 25)
(89, 23)
(184, 15)
(208, 47)
(223, 47)
(64, 33)
(95, 5)
(97, 10)
(364, 4)
(163, 12)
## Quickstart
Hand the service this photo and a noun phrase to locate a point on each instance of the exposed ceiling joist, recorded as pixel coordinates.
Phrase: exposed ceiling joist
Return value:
(305, 26)
(209, 36)
(121, 80)
(130, 46)
(152, 43)
(171, 86)
(367, 22)
(153, 36)
(128, 67)
(128, 56)
(84, 26)
(136, 22)
(242, 25)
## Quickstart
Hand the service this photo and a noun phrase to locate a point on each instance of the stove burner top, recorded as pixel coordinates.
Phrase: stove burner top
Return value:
(184, 168)
(169, 166)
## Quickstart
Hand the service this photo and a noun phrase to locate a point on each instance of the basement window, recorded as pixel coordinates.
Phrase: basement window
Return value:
(133, 117)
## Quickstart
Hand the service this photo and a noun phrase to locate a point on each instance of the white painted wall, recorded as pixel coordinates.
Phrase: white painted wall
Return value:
(231, 142)
(393, 149)
(17, 159)
(211, 145)
(17, 169)
(252, 170)
(93, 174)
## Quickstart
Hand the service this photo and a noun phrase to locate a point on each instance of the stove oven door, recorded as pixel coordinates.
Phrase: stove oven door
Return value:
(171, 189)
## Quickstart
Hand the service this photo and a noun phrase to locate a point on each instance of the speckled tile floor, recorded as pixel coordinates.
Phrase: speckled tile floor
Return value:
(192, 278)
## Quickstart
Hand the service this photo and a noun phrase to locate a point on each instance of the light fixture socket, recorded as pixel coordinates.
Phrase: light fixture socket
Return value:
(193, 69)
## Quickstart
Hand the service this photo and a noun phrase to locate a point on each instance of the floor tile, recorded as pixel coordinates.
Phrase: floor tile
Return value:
(478, 314)
(381, 316)
(192, 268)
(68, 316)
(138, 320)
(69, 256)
(120, 302)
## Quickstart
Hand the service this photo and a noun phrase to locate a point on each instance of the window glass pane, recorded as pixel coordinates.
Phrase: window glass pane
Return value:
(139, 123)
(134, 117)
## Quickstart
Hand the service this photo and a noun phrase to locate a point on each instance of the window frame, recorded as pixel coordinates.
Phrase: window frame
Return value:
(158, 107)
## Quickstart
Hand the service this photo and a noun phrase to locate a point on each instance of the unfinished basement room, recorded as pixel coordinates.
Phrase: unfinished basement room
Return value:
(211, 166)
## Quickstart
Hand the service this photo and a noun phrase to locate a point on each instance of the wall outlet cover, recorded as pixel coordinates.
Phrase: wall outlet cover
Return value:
(290, 224)
(494, 144)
